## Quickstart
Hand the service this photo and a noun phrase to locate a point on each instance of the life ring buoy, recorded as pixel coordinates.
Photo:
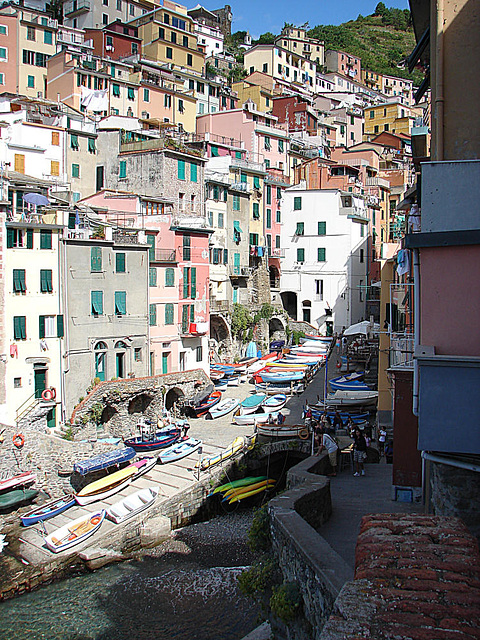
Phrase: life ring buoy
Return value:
(339, 364)
(47, 395)
(303, 434)
(54, 392)
(18, 440)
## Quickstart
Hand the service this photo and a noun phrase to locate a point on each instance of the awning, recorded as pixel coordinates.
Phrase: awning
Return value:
(360, 328)
(236, 226)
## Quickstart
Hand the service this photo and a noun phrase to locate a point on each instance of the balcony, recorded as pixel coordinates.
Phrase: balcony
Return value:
(220, 306)
(245, 164)
(240, 272)
(277, 252)
(76, 7)
(377, 182)
(193, 329)
(165, 255)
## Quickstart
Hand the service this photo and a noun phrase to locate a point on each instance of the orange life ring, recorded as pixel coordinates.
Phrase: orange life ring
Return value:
(47, 395)
(18, 440)
(303, 434)
(339, 364)
(54, 392)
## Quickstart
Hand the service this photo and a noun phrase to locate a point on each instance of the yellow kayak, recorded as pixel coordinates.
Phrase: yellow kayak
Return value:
(237, 445)
(239, 490)
(106, 486)
(247, 494)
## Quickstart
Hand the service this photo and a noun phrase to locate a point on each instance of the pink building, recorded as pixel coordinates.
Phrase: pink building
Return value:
(264, 139)
(275, 184)
(344, 63)
(178, 277)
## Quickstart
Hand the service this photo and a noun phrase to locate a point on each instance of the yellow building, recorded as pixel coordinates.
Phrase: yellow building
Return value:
(400, 89)
(294, 39)
(168, 36)
(262, 97)
(394, 117)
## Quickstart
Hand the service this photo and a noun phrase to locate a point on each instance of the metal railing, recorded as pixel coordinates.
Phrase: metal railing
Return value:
(164, 255)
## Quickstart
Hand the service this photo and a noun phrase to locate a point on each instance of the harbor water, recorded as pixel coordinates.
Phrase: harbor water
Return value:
(185, 589)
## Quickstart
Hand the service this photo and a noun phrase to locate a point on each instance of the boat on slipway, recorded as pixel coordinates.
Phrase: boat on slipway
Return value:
(132, 505)
(253, 418)
(27, 477)
(275, 402)
(181, 449)
(48, 510)
(283, 431)
(252, 403)
(16, 498)
(242, 443)
(107, 486)
(104, 460)
(223, 408)
(75, 532)
(158, 440)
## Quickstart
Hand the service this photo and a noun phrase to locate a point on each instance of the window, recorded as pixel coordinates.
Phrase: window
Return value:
(269, 194)
(2, 78)
(131, 93)
(116, 90)
(46, 327)
(181, 169)
(169, 277)
(185, 41)
(361, 255)
(96, 298)
(236, 203)
(269, 218)
(132, 9)
(360, 291)
(375, 129)
(189, 60)
(253, 239)
(300, 255)
(186, 247)
(319, 289)
(267, 164)
(199, 353)
(120, 303)
(297, 203)
(31, 82)
(278, 216)
(265, 70)
(321, 254)
(169, 53)
(137, 353)
(173, 37)
(55, 138)
(256, 211)
(19, 285)
(45, 239)
(169, 313)
(104, 18)
(193, 172)
(167, 101)
(120, 262)
(256, 182)
(181, 107)
(31, 33)
(372, 114)
(75, 170)
(152, 277)
(122, 173)
(300, 230)
(3, 53)
(74, 142)
(96, 259)
(386, 127)
(322, 228)
(280, 146)
(220, 221)
(3, 30)
(17, 383)
(19, 327)
(267, 143)
(47, 37)
(161, 33)
(46, 285)
(153, 315)
(225, 256)
(146, 95)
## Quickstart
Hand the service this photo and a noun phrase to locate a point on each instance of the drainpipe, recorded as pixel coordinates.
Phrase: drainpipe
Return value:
(439, 82)
(451, 462)
(66, 342)
(416, 327)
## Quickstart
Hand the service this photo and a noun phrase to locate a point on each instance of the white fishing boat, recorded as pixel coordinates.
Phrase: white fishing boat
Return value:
(253, 418)
(75, 532)
(223, 408)
(132, 505)
(252, 403)
(282, 431)
(179, 450)
(233, 381)
(352, 398)
(275, 403)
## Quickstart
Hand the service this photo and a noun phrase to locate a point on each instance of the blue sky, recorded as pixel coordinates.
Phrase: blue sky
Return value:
(259, 16)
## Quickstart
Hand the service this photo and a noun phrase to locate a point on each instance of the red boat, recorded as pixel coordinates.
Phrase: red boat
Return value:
(27, 477)
(207, 404)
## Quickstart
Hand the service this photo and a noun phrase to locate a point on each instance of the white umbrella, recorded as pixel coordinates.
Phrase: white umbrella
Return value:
(363, 328)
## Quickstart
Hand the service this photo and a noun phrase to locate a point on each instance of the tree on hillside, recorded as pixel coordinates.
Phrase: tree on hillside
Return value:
(266, 38)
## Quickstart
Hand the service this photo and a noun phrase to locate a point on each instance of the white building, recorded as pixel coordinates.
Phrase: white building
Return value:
(324, 272)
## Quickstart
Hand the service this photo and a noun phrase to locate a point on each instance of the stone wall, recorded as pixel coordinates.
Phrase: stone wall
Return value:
(416, 577)
(125, 401)
(303, 555)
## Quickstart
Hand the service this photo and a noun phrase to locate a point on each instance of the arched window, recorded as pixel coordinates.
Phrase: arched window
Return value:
(100, 346)
(120, 345)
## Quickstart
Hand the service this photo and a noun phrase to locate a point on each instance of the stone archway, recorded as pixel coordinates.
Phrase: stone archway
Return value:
(172, 397)
(276, 329)
(107, 414)
(274, 274)
(220, 332)
(140, 403)
(289, 301)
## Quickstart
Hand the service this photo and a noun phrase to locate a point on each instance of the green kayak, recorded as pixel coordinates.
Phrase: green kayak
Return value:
(243, 482)
(16, 498)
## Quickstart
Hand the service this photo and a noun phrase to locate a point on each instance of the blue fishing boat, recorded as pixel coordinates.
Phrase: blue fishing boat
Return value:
(281, 376)
(252, 403)
(158, 440)
(103, 461)
(353, 385)
(48, 510)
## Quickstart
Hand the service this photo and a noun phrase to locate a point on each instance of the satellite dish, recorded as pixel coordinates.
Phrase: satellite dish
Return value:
(204, 254)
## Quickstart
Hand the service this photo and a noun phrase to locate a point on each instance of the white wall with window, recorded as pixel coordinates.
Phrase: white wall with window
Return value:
(325, 267)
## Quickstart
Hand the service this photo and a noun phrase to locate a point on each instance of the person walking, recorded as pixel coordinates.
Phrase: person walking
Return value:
(382, 437)
(327, 442)
(359, 452)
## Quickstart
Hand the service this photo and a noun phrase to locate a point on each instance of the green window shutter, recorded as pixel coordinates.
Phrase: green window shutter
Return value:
(169, 277)
(45, 239)
(193, 280)
(146, 95)
(238, 155)
(96, 298)
(153, 315)
(300, 230)
(256, 182)
(169, 313)
(243, 178)
(9, 238)
(91, 145)
(123, 169)
(269, 194)
(74, 141)
(151, 251)
(300, 255)
(29, 238)
(184, 318)
(192, 313)
(236, 203)
(96, 259)
(193, 172)
(46, 285)
(60, 327)
(256, 210)
(269, 218)
(19, 328)
(216, 192)
(214, 151)
(225, 256)
(131, 93)
(321, 254)
(225, 195)
(116, 90)
(236, 263)
(152, 277)
(75, 170)
(120, 262)
(297, 203)
(120, 303)
(186, 281)
(322, 228)
(280, 146)
(181, 169)
(19, 285)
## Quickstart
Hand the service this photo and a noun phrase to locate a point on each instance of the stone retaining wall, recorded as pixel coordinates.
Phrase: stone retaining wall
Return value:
(303, 555)
(416, 577)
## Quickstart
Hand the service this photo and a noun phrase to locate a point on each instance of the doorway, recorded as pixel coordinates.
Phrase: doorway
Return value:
(165, 362)
(51, 418)
(120, 361)
(40, 373)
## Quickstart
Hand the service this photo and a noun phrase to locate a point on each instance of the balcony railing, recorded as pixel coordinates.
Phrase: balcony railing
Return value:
(164, 255)
(277, 252)
(220, 306)
(245, 164)
(401, 350)
(76, 7)
(377, 182)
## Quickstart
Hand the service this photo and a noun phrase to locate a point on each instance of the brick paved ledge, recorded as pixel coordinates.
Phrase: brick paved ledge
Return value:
(416, 577)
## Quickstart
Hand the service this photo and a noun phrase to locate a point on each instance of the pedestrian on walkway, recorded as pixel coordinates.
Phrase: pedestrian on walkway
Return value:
(337, 421)
(327, 442)
(382, 437)
(359, 452)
